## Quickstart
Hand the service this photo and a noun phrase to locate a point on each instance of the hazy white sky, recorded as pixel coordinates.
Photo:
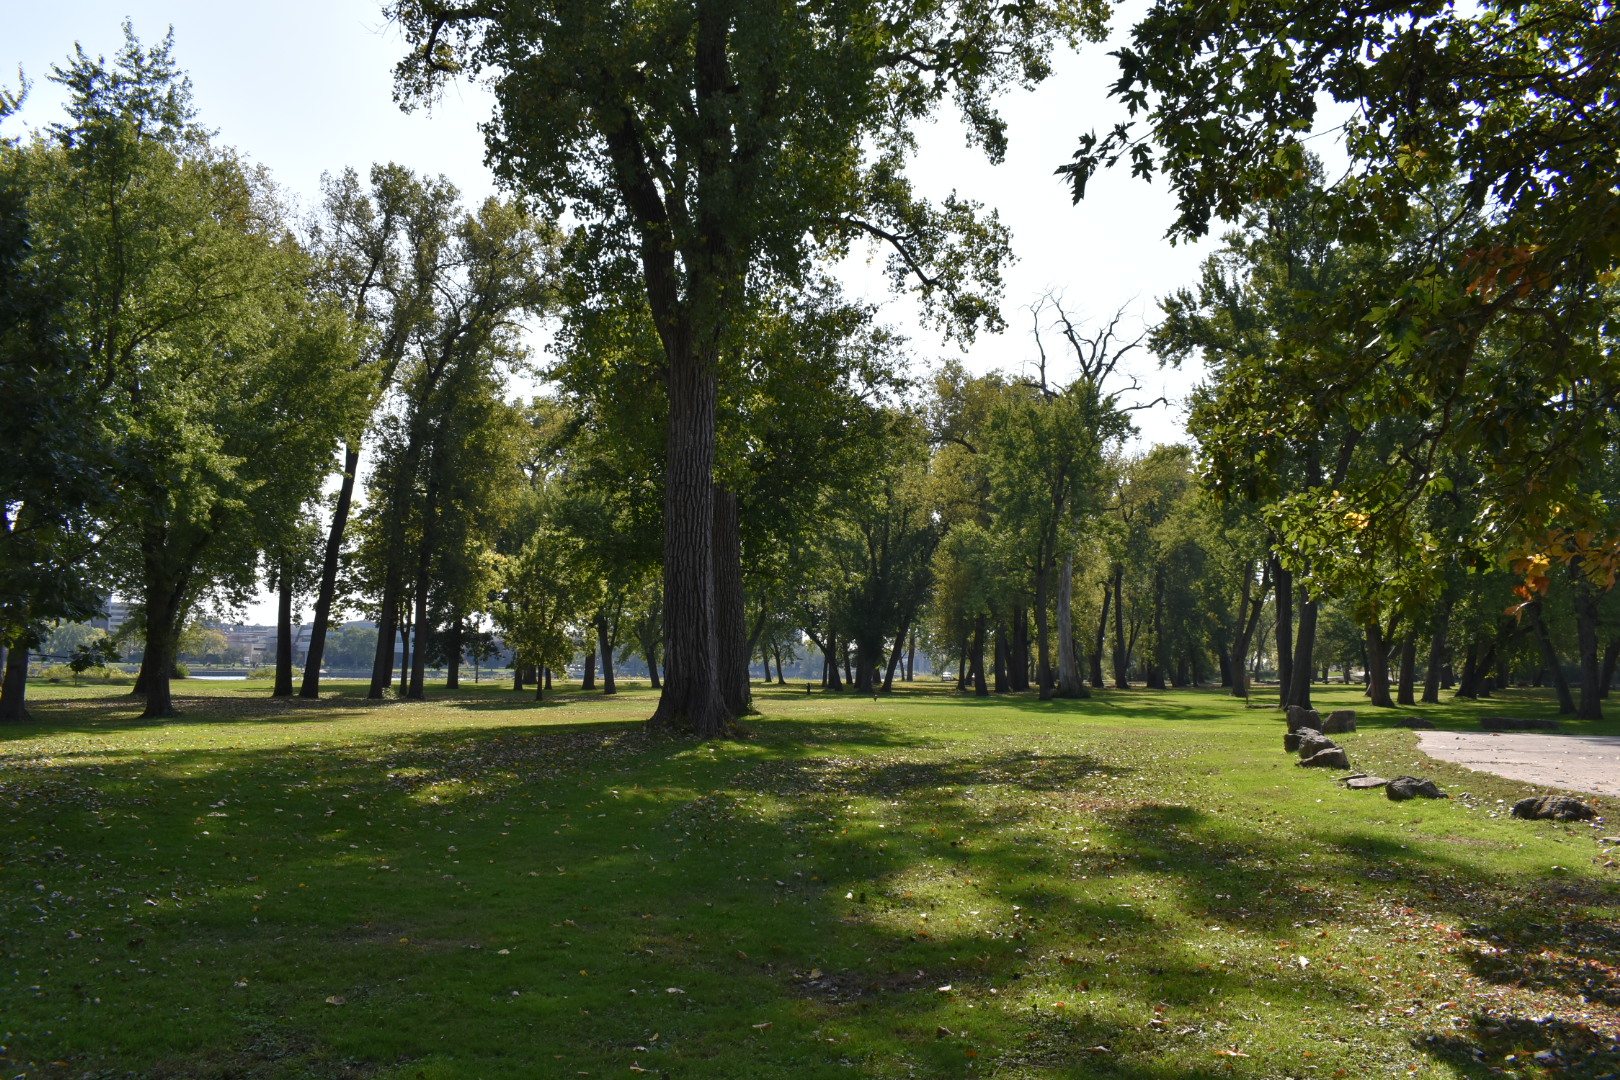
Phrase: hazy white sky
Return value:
(305, 88)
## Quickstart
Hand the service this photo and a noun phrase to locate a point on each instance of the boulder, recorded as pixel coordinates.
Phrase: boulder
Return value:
(1365, 783)
(1554, 808)
(1333, 757)
(1339, 721)
(1291, 742)
(1513, 723)
(1410, 787)
(1312, 743)
(1420, 722)
(1301, 717)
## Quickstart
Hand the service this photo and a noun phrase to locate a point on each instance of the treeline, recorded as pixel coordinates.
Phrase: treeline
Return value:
(1403, 458)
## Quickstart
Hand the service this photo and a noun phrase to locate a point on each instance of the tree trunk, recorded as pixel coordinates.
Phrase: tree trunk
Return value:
(1018, 654)
(911, 653)
(382, 665)
(1224, 658)
(1470, 672)
(1437, 655)
(781, 677)
(545, 676)
(419, 621)
(164, 599)
(1236, 671)
(1284, 578)
(316, 653)
(894, 655)
(1304, 665)
(834, 681)
(980, 687)
(604, 641)
(1586, 636)
(410, 638)
(1566, 701)
(1043, 657)
(452, 654)
(14, 686)
(732, 646)
(1100, 640)
(589, 681)
(517, 672)
(691, 698)
(1408, 676)
(1000, 665)
(1121, 656)
(540, 685)
(284, 666)
(1155, 655)
(962, 665)
(1070, 685)
(1377, 667)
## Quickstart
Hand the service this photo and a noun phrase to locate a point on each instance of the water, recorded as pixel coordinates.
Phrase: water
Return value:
(220, 678)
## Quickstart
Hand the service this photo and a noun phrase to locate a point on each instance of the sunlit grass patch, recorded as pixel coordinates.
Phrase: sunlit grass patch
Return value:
(920, 885)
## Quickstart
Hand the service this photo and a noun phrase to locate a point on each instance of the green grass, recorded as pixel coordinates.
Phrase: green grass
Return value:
(1140, 885)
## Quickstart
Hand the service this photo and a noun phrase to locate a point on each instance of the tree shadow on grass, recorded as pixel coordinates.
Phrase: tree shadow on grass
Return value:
(750, 878)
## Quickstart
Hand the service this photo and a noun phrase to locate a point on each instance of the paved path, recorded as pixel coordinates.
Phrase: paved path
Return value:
(1572, 762)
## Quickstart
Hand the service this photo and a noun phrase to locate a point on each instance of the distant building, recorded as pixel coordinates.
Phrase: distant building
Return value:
(118, 613)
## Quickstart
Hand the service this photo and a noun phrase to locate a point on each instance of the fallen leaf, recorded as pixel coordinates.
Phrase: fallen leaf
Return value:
(335, 1000)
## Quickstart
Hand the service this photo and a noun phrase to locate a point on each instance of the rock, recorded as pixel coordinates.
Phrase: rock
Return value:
(1312, 743)
(1410, 787)
(1510, 723)
(1365, 783)
(1339, 720)
(1333, 757)
(1422, 722)
(1301, 717)
(1291, 742)
(1553, 808)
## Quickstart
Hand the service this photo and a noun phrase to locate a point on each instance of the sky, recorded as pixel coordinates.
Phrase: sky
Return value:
(306, 88)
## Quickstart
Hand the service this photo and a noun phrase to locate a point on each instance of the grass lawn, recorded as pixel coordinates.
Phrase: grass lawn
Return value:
(1139, 885)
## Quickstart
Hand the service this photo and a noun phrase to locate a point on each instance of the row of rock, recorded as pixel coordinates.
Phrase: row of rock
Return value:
(1307, 737)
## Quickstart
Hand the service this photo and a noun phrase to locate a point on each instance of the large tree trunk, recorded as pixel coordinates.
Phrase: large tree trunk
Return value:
(1437, 655)
(1155, 655)
(1408, 677)
(604, 641)
(980, 688)
(1070, 685)
(911, 654)
(284, 600)
(691, 698)
(732, 645)
(1470, 672)
(165, 598)
(589, 681)
(1549, 655)
(517, 673)
(329, 570)
(1099, 641)
(1122, 656)
(419, 619)
(1377, 667)
(1018, 654)
(1043, 660)
(382, 665)
(999, 667)
(1284, 578)
(834, 680)
(14, 686)
(894, 655)
(1586, 636)
(452, 653)
(1304, 665)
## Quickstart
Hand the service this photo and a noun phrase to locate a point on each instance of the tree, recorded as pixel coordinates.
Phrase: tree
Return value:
(377, 256)
(702, 145)
(191, 309)
(1507, 104)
